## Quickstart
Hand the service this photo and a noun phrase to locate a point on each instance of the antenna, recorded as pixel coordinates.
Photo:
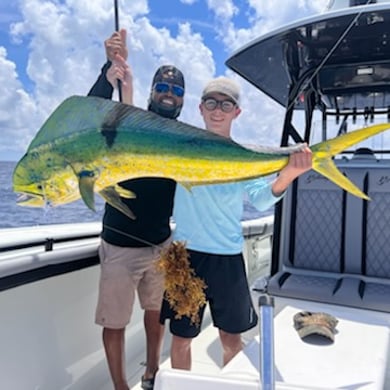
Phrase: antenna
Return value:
(330, 5)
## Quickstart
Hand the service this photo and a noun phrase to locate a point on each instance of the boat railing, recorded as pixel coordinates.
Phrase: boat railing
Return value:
(30, 254)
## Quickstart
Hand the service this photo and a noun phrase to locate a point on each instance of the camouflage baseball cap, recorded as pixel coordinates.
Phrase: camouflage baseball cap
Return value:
(307, 323)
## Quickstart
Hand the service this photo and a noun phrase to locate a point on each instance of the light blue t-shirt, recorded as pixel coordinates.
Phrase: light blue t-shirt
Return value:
(208, 218)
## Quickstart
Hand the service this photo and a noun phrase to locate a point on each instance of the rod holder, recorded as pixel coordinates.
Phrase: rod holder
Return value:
(267, 364)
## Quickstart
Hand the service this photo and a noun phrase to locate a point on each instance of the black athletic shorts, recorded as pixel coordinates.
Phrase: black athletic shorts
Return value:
(227, 293)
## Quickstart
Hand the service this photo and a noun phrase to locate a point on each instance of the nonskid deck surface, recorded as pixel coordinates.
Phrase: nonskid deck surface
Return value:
(206, 356)
(358, 357)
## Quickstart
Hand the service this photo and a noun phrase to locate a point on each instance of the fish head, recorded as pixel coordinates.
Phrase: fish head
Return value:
(39, 182)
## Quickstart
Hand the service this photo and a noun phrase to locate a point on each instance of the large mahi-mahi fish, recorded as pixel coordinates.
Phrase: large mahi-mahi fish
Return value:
(90, 144)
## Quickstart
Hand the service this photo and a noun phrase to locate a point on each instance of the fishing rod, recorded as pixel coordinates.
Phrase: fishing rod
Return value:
(117, 29)
(116, 13)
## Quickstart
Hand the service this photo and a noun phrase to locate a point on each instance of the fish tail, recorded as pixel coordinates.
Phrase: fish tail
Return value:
(324, 151)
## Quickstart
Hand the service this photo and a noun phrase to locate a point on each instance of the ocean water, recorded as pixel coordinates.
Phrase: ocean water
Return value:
(12, 215)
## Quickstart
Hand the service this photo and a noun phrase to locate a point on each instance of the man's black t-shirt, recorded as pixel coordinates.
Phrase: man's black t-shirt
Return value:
(152, 206)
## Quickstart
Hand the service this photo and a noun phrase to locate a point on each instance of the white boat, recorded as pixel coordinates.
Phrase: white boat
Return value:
(323, 250)
(48, 291)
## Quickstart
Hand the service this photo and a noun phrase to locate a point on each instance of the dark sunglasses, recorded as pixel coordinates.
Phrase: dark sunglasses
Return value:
(225, 105)
(166, 87)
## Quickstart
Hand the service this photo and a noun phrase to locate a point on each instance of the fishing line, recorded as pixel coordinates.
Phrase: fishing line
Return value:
(133, 237)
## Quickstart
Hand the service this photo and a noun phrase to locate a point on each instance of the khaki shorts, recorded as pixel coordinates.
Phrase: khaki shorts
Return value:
(123, 272)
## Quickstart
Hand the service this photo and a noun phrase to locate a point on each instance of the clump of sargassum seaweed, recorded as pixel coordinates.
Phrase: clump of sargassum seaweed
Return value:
(183, 289)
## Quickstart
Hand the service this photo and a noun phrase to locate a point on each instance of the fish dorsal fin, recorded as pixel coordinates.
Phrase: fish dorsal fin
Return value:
(79, 113)
(84, 113)
(113, 198)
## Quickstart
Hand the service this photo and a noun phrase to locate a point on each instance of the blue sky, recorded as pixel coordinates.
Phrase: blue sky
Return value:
(52, 49)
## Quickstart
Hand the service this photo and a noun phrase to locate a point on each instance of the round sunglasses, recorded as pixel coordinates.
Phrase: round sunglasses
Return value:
(176, 90)
(225, 105)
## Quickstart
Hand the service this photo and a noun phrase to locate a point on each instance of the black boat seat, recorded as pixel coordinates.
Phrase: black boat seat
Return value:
(338, 249)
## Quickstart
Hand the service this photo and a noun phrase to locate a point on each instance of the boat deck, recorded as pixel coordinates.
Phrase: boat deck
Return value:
(60, 325)
(206, 356)
(357, 359)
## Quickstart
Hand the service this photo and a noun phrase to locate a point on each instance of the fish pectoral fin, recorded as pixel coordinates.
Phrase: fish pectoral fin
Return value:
(112, 197)
(123, 192)
(86, 187)
(327, 168)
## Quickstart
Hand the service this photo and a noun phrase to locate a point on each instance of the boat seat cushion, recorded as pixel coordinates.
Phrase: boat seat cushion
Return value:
(335, 246)
(348, 291)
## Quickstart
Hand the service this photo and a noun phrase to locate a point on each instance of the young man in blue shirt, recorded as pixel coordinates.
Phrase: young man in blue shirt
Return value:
(208, 221)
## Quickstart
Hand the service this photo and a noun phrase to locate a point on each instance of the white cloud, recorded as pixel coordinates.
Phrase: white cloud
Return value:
(224, 9)
(65, 56)
(17, 108)
(262, 17)
(66, 53)
(188, 2)
(154, 47)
